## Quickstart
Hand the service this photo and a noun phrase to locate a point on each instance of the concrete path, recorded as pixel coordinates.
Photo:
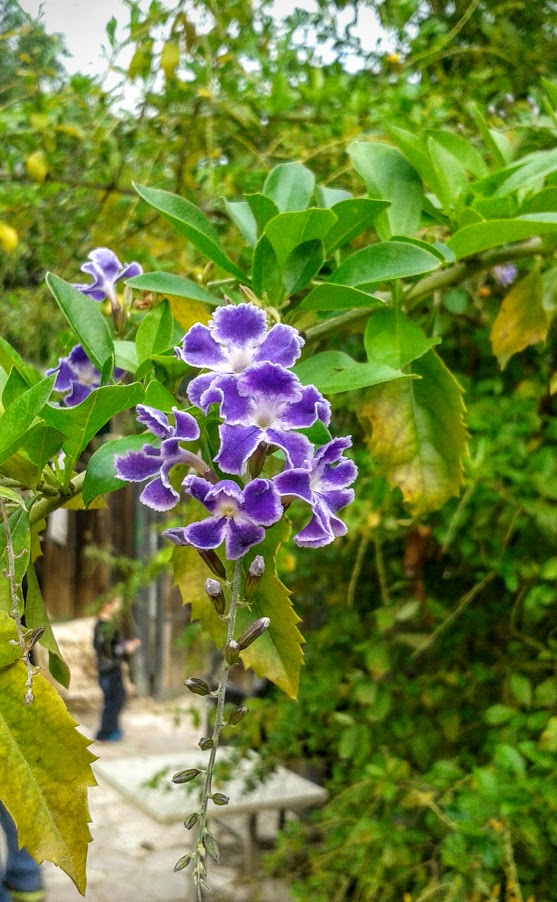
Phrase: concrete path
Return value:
(131, 857)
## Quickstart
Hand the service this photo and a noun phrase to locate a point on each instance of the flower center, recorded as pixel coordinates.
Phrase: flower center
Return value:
(239, 359)
(227, 509)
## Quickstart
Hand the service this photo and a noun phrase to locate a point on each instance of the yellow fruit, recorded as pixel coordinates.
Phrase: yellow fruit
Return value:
(170, 57)
(36, 166)
(9, 239)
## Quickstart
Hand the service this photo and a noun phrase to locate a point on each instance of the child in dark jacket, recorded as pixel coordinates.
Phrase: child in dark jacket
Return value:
(111, 649)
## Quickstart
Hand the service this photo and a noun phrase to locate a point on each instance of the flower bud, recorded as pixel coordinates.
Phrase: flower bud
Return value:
(232, 652)
(253, 632)
(257, 459)
(184, 776)
(255, 572)
(213, 562)
(206, 743)
(210, 844)
(183, 862)
(237, 715)
(216, 595)
(197, 686)
(191, 821)
(219, 798)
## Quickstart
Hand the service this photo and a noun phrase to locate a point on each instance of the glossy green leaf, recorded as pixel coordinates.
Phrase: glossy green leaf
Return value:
(384, 262)
(156, 395)
(533, 167)
(10, 358)
(417, 433)
(125, 355)
(290, 186)
(394, 340)
(10, 649)
(439, 250)
(451, 176)
(486, 133)
(35, 617)
(266, 274)
(155, 332)
(45, 771)
(338, 297)
(81, 423)
(17, 419)
(544, 202)
(484, 235)
(388, 175)
(20, 533)
(302, 265)
(522, 320)
(289, 230)
(413, 147)
(15, 386)
(263, 208)
(176, 286)
(86, 319)
(353, 217)
(42, 442)
(242, 216)
(328, 197)
(101, 473)
(333, 372)
(191, 222)
(461, 150)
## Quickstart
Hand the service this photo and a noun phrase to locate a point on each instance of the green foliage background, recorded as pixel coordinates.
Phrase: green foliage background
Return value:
(428, 703)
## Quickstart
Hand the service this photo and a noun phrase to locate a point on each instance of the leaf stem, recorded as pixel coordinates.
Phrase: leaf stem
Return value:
(219, 718)
(44, 506)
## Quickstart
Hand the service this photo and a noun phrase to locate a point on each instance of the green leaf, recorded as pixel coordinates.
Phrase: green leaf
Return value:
(451, 176)
(333, 372)
(302, 265)
(414, 149)
(487, 135)
(81, 423)
(176, 286)
(277, 654)
(384, 262)
(155, 332)
(86, 319)
(36, 616)
(156, 395)
(496, 715)
(45, 771)
(461, 150)
(10, 358)
(544, 202)
(484, 235)
(125, 355)
(101, 473)
(242, 216)
(522, 320)
(20, 532)
(532, 167)
(418, 437)
(393, 340)
(439, 250)
(16, 420)
(9, 652)
(11, 496)
(290, 186)
(263, 209)
(266, 275)
(328, 197)
(289, 230)
(353, 216)
(189, 221)
(389, 176)
(42, 442)
(521, 688)
(15, 386)
(338, 297)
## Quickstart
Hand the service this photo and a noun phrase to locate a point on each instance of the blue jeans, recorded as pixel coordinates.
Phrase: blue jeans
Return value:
(114, 694)
(20, 871)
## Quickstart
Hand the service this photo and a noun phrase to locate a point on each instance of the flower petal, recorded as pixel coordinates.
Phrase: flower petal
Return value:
(199, 488)
(296, 447)
(238, 324)
(314, 535)
(158, 496)
(271, 383)
(261, 502)
(242, 535)
(155, 420)
(237, 444)
(340, 476)
(176, 535)
(129, 270)
(304, 412)
(135, 466)
(78, 394)
(200, 349)
(187, 428)
(234, 408)
(197, 387)
(283, 344)
(207, 533)
(294, 482)
(335, 500)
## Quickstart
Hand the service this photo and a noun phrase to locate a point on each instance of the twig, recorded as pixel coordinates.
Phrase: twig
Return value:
(509, 865)
(10, 573)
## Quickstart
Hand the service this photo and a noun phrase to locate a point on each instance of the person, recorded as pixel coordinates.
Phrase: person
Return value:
(111, 649)
(20, 875)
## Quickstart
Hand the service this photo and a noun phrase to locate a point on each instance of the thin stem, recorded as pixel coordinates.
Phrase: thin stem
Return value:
(511, 873)
(45, 506)
(357, 569)
(10, 573)
(219, 717)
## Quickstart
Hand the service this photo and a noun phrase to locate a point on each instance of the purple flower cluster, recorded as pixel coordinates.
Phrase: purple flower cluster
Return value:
(106, 270)
(262, 406)
(77, 376)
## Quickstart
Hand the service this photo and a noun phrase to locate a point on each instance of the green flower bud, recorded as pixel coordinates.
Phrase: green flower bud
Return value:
(219, 798)
(197, 686)
(205, 743)
(191, 821)
(213, 562)
(255, 572)
(232, 652)
(216, 595)
(184, 776)
(210, 844)
(253, 632)
(237, 715)
(183, 862)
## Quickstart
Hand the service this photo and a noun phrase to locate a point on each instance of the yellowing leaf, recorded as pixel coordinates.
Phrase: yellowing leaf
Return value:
(522, 319)
(418, 437)
(45, 769)
(188, 312)
(37, 166)
(9, 239)
(553, 384)
(170, 57)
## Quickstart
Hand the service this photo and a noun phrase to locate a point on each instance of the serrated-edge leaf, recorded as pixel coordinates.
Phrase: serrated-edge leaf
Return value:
(36, 616)
(394, 340)
(191, 222)
(522, 320)
(85, 318)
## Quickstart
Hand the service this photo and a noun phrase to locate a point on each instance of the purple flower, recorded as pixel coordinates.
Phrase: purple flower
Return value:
(321, 483)
(235, 339)
(77, 376)
(505, 274)
(264, 404)
(135, 466)
(106, 270)
(237, 515)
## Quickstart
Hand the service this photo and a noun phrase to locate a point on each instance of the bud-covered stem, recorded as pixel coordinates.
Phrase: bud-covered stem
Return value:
(219, 719)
